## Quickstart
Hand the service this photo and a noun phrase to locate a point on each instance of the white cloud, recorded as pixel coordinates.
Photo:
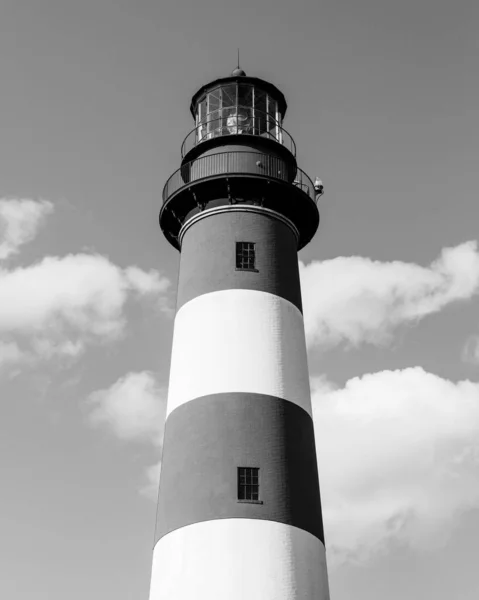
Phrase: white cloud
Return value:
(57, 306)
(133, 408)
(355, 299)
(20, 220)
(83, 291)
(47, 348)
(398, 456)
(470, 351)
(150, 489)
(62, 303)
(144, 282)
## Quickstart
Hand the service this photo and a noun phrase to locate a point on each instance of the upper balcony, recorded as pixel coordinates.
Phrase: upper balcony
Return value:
(237, 164)
(239, 177)
(238, 120)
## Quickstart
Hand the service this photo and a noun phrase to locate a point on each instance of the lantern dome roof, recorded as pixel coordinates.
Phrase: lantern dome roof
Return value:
(238, 73)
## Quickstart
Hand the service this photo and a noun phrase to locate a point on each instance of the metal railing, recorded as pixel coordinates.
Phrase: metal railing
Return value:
(234, 163)
(252, 122)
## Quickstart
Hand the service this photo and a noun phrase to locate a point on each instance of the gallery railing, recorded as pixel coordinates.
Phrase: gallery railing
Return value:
(237, 163)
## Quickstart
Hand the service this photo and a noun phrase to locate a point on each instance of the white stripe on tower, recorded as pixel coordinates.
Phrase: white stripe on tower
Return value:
(239, 341)
(234, 559)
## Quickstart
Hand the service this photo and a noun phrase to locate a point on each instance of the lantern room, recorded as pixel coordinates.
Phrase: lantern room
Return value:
(238, 105)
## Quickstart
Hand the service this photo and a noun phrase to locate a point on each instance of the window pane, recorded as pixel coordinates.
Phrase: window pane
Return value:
(245, 95)
(202, 110)
(245, 259)
(201, 130)
(213, 100)
(259, 100)
(272, 117)
(246, 489)
(228, 95)
(260, 112)
(213, 124)
(272, 107)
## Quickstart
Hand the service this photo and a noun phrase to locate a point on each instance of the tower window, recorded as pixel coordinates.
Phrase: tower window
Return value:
(245, 256)
(248, 483)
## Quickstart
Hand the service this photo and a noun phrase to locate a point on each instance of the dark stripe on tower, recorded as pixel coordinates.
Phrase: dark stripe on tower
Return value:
(208, 256)
(207, 439)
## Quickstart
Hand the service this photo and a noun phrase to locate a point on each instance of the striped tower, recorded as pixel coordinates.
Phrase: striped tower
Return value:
(239, 511)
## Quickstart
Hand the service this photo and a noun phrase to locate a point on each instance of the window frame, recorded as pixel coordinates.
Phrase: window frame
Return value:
(241, 258)
(248, 485)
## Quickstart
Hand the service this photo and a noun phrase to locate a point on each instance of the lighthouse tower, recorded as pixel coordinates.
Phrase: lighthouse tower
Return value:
(239, 510)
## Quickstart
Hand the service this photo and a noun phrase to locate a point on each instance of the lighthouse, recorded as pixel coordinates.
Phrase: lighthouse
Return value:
(239, 511)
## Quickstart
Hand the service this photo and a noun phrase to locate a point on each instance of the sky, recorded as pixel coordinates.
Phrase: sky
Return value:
(93, 109)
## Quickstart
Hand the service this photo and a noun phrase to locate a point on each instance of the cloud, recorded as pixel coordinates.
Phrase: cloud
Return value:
(398, 455)
(144, 282)
(60, 304)
(10, 353)
(355, 299)
(152, 474)
(83, 291)
(470, 351)
(133, 408)
(20, 220)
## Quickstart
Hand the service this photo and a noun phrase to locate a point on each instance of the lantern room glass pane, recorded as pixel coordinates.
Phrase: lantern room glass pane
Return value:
(259, 112)
(228, 95)
(201, 120)
(202, 110)
(237, 118)
(245, 96)
(213, 99)
(212, 113)
(271, 119)
(214, 123)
